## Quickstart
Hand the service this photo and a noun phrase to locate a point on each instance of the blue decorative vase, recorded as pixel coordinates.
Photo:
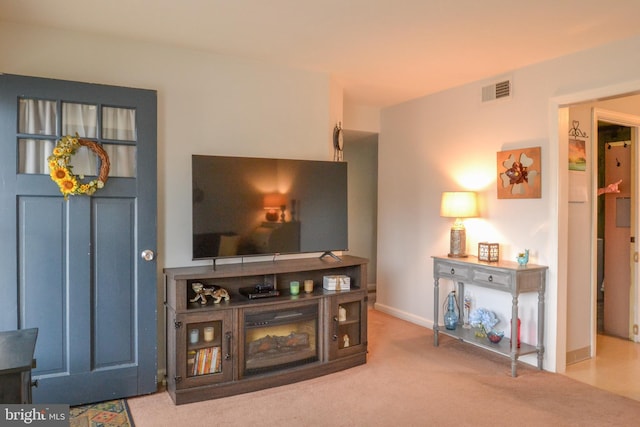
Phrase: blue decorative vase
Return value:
(523, 258)
(451, 317)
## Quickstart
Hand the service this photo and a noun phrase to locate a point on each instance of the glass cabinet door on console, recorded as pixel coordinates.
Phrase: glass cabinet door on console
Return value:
(207, 342)
(347, 325)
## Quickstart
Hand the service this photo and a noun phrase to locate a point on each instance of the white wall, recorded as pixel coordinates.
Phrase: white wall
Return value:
(448, 141)
(207, 104)
(361, 117)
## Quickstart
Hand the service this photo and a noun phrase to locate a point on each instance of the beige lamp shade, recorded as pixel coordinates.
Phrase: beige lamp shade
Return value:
(459, 204)
(274, 200)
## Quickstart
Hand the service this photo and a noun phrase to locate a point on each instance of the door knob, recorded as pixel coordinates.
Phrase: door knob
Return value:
(148, 255)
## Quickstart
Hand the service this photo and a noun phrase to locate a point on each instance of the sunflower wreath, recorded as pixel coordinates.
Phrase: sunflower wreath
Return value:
(61, 171)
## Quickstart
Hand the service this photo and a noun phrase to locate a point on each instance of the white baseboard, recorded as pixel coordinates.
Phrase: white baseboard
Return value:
(404, 315)
(578, 355)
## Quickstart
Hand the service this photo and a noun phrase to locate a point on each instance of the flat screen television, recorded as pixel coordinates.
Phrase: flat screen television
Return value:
(246, 206)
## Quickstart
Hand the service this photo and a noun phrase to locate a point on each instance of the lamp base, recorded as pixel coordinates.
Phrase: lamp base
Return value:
(271, 216)
(458, 243)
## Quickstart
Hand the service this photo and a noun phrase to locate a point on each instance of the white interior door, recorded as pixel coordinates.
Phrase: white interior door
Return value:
(617, 238)
(630, 292)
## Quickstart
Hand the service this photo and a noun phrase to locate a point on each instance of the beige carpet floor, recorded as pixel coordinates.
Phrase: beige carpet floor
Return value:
(407, 382)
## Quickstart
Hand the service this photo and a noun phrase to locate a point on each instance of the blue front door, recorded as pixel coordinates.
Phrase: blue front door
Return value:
(74, 268)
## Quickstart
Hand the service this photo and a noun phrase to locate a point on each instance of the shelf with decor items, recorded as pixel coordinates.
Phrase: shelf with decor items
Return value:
(503, 276)
(347, 325)
(219, 346)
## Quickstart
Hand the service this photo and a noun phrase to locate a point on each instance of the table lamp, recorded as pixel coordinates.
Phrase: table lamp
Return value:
(458, 205)
(273, 203)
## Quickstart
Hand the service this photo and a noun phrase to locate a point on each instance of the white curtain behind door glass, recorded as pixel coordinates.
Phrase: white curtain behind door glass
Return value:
(119, 124)
(81, 120)
(35, 117)
(39, 117)
(126, 155)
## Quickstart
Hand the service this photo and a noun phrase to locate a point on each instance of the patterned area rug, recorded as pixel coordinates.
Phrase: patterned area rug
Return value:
(113, 413)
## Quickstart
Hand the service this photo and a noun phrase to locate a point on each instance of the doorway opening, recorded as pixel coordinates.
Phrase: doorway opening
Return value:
(361, 153)
(614, 229)
(614, 121)
(605, 222)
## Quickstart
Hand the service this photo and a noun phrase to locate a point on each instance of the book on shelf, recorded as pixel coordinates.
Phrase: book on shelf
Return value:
(208, 352)
(203, 361)
(216, 363)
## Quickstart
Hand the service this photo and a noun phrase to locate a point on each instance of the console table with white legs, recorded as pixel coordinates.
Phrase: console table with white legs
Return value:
(504, 276)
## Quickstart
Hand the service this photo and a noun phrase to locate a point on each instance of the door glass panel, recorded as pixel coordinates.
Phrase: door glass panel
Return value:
(37, 117)
(32, 155)
(84, 162)
(81, 119)
(119, 124)
(349, 324)
(122, 159)
(204, 349)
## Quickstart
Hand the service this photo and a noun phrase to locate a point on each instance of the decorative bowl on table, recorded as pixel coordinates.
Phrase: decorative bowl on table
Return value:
(495, 336)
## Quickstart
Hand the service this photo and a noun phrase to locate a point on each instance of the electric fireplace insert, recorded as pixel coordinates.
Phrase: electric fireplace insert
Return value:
(280, 339)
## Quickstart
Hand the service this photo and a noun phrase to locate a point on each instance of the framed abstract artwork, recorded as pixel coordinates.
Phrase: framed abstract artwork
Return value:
(519, 174)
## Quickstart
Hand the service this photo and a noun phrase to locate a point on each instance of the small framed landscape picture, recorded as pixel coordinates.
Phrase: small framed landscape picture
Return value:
(577, 155)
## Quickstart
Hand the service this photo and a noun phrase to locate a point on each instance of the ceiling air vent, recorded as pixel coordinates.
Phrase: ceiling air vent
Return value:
(499, 90)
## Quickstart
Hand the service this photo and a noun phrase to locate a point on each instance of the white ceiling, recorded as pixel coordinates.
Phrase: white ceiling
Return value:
(381, 51)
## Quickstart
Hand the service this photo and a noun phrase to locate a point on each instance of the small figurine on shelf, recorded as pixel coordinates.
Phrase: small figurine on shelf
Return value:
(523, 257)
(345, 341)
(342, 314)
(202, 292)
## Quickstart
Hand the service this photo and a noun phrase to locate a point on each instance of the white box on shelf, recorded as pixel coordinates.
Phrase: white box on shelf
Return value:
(336, 283)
